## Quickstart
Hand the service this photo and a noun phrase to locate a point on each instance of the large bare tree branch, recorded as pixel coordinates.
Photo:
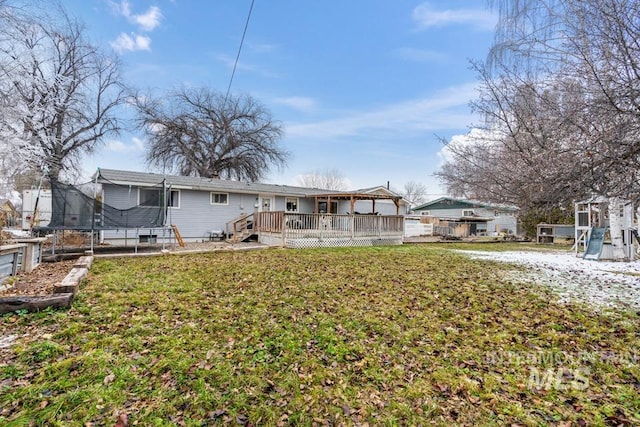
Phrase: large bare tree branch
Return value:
(59, 94)
(325, 179)
(198, 132)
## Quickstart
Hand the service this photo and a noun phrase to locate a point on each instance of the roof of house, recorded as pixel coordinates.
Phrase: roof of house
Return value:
(6, 203)
(207, 184)
(450, 202)
(370, 193)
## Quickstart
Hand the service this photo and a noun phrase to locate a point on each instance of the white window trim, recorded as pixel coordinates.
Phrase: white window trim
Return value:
(179, 198)
(465, 212)
(218, 204)
(297, 199)
(425, 213)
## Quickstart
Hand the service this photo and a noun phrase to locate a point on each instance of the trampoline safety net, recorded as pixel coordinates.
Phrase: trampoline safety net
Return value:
(74, 209)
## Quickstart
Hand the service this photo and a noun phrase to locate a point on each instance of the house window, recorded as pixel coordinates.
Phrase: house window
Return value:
(496, 213)
(149, 197)
(468, 212)
(173, 199)
(425, 213)
(148, 238)
(322, 207)
(291, 204)
(219, 198)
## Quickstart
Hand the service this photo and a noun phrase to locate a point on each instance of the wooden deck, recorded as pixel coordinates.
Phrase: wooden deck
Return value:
(297, 230)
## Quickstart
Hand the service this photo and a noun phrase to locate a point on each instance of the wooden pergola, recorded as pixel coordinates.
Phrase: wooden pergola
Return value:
(353, 198)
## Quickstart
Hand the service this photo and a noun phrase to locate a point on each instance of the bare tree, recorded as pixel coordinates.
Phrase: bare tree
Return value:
(58, 92)
(561, 102)
(197, 132)
(326, 179)
(414, 192)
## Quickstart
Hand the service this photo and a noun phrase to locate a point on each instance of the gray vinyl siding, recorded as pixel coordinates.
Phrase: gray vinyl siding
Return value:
(279, 204)
(503, 222)
(120, 197)
(196, 216)
(306, 205)
(444, 213)
(383, 207)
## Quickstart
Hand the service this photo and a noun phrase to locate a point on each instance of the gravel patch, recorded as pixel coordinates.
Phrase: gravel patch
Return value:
(601, 284)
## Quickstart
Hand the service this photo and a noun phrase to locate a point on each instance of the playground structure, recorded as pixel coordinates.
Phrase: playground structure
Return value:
(593, 229)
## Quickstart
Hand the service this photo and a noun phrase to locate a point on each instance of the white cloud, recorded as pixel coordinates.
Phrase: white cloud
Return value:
(421, 55)
(120, 147)
(131, 42)
(138, 143)
(300, 103)
(426, 16)
(474, 136)
(445, 110)
(147, 21)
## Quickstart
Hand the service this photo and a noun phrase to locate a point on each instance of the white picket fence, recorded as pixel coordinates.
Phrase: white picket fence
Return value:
(416, 228)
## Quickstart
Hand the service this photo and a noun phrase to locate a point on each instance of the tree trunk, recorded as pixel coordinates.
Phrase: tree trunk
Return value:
(615, 228)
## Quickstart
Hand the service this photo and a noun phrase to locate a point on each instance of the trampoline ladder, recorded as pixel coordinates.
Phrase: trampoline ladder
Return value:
(178, 236)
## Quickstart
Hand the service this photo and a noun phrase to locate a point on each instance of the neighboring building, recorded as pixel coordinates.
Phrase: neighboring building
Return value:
(483, 218)
(7, 212)
(36, 208)
(200, 206)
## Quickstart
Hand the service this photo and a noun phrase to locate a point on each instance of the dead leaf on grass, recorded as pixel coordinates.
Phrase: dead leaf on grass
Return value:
(108, 379)
(122, 421)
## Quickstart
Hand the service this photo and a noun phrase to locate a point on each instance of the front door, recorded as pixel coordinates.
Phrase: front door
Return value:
(266, 203)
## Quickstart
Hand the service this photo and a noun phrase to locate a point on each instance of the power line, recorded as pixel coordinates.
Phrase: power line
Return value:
(235, 65)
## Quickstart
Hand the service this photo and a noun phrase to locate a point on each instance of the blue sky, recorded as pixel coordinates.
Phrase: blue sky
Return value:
(362, 86)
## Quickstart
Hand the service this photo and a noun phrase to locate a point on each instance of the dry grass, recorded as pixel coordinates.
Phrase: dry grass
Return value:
(378, 336)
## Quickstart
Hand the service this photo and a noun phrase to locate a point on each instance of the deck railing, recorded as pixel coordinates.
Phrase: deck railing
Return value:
(298, 225)
(270, 222)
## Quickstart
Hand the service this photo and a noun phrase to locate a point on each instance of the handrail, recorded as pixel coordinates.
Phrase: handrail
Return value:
(239, 227)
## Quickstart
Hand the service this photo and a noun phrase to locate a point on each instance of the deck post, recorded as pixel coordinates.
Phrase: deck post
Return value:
(353, 225)
(284, 229)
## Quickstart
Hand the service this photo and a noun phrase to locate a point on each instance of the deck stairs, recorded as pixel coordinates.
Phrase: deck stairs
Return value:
(241, 229)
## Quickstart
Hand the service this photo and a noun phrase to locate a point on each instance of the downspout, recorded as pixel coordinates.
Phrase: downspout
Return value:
(93, 213)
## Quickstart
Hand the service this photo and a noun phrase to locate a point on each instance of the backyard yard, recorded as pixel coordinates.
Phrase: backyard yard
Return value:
(404, 335)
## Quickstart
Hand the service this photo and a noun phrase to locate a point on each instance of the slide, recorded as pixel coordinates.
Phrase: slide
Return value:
(596, 242)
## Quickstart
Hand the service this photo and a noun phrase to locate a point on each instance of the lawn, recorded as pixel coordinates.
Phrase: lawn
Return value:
(411, 335)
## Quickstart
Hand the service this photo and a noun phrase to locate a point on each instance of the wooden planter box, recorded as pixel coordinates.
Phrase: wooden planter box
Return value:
(63, 292)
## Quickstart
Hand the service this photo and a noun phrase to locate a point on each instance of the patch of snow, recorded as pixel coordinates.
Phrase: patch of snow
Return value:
(7, 341)
(601, 284)
(18, 233)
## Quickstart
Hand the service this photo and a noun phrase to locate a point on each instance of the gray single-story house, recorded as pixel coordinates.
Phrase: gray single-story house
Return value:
(483, 218)
(204, 207)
